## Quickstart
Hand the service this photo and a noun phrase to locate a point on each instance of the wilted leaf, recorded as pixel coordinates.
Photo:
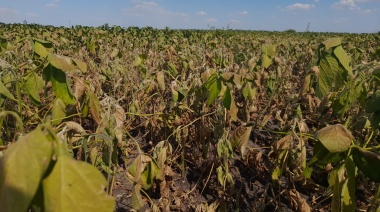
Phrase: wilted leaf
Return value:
(368, 162)
(143, 170)
(136, 199)
(94, 106)
(75, 185)
(240, 138)
(22, 167)
(299, 203)
(336, 138)
(160, 77)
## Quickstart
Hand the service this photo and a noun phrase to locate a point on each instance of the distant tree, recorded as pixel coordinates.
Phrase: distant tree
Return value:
(25, 22)
(290, 31)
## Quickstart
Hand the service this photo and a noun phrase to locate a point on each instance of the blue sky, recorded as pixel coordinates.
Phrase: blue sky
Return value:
(359, 16)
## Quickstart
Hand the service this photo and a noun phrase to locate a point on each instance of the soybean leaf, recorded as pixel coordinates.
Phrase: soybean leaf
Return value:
(344, 188)
(265, 61)
(59, 83)
(160, 77)
(368, 162)
(3, 44)
(332, 42)
(42, 48)
(227, 98)
(343, 58)
(74, 185)
(336, 138)
(322, 156)
(22, 167)
(4, 91)
(136, 199)
(372, 103)
(66, 64)
(269, 50)
(33, 84)
(94, 106)
(214, 86)
(240, 139)
(58, 111)
(328, 74)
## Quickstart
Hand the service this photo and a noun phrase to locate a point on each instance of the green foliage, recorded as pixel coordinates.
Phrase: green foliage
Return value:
(41, 161)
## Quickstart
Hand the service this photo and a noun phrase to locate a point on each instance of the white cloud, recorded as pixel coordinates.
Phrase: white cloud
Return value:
(243, 13)
(299, 6)
(150, 13)
(353, 5)
(201, 13)
(211, 20)
(8, 15)
(32, 15)
(143, 8)
(53, 3)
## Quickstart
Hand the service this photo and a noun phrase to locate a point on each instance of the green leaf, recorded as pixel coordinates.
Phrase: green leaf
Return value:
(372, 103)
(214, 86)
(265, 61)
(368, 162)
(322, 156)
(143, 170)
(332, 43)
(66, 64)
(33, 84)
(4, 91)
(42, 48)
(3, 44)
(328, 74)
(75, 186)
(336, 138)
(344, 188)
(227, 98)
(58, 111)
(59, 83)
(268, 49)
(343, 58)
(22, 167)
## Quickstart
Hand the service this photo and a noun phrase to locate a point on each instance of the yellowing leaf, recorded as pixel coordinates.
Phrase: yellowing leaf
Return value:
(76, 186)
(32, 86)
(240, 138)
(66, 64)
(4, 91)
(336, 138)
(58, 111)
(160, 77)
(94, 106)
(22, 167)
(42, 48)
(332, 42)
